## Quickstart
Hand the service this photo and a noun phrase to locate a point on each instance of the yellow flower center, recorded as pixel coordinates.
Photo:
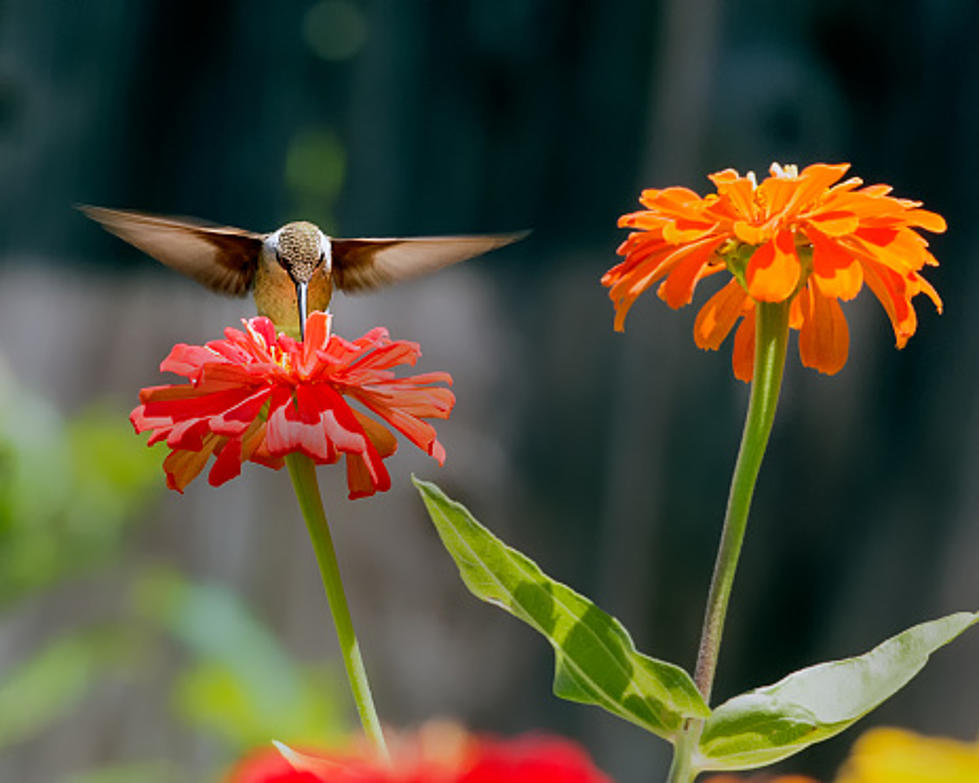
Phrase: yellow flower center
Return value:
(281, 358)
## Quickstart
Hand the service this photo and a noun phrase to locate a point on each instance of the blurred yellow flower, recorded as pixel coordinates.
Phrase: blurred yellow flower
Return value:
(898, 756)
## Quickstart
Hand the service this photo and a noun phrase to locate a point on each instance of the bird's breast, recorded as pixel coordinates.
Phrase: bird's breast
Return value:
(275, 293)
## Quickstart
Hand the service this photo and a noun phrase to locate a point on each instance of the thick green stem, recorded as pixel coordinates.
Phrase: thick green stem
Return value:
(771, 338)
(303, 473)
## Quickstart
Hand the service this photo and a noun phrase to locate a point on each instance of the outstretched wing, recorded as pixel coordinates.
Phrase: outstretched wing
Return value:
(362, 264)
(222, 258)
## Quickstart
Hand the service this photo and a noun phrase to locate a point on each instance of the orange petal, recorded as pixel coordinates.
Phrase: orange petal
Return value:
(836, 224)
(824, 339)
(672, 199)
(743, 358)
(891, 290)
(365, 478)
(777, 193)
(738, 190)
(838, 273)
(385, 443)
(843, 284)
(681, 231)
(719, 315)
(752, 234)
(876, 191)
(929, 221)
(773, 271)
(923, 286)
(813, 181)
(795, 314)
(677, 290)
(182, 466)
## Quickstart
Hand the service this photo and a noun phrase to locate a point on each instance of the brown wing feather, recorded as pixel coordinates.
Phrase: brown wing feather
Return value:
(222, 258)
(362, 264)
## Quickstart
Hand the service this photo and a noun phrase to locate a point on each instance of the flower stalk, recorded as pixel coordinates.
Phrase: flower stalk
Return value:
(302, 470)
(771, 339)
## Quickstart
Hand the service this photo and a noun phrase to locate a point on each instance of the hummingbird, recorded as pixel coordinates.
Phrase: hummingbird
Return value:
(292, 270)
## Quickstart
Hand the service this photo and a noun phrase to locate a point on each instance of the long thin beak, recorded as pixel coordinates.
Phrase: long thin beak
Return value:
(301, 292)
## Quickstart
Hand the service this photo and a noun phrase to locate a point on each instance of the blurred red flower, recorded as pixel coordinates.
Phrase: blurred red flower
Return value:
(795, 236)
(257, 396)
(438, 753)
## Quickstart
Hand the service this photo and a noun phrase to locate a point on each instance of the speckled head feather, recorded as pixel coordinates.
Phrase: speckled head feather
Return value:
(299, 249)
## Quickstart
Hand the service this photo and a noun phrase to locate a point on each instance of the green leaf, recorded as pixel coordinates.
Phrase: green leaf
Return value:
(596, 661)
(768, 724)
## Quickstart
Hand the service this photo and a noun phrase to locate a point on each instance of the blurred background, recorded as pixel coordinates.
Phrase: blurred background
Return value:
(150, 636)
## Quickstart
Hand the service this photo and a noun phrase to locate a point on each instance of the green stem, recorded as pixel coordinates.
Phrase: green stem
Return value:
(771, 338)
(303, 473)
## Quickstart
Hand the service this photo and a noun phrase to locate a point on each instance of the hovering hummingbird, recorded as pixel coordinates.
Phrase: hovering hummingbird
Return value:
(293, 269)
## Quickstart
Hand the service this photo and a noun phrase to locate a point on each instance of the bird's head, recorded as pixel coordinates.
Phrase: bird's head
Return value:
(300, 249)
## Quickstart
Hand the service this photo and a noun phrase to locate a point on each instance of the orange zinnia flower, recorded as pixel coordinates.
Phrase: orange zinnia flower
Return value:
(795, 236)
(258, 396)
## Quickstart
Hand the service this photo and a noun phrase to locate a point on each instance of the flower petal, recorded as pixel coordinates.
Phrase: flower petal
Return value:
(743, 358)
(385, 443)
(824, 339)
(677, 290)
(856, 234)
(366, 476)
(182, 467)
(773, 271)
(891, 290)
(719, 315)
(227, 465)
(837, 271)
(237, 419)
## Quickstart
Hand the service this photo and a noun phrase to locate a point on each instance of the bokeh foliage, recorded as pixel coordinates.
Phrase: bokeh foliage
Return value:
(73, 492)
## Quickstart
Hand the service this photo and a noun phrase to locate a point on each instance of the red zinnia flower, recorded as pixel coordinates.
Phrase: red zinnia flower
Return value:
(439, 753)
(257, 396)
(796, 236)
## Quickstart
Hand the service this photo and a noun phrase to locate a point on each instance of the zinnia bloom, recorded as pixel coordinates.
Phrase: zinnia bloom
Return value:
(438, 753)
(886, 755)
(257, 396)
(795, 236)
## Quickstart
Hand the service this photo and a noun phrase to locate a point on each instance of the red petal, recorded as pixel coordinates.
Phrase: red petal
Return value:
(187, 359)
(365, 478)
(236, 420)
(227, 465)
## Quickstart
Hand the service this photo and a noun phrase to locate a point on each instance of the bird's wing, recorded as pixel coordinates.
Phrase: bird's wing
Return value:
(362, 264)
(222, 258)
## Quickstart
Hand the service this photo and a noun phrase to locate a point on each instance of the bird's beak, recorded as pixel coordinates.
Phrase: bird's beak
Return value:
(301, 292)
